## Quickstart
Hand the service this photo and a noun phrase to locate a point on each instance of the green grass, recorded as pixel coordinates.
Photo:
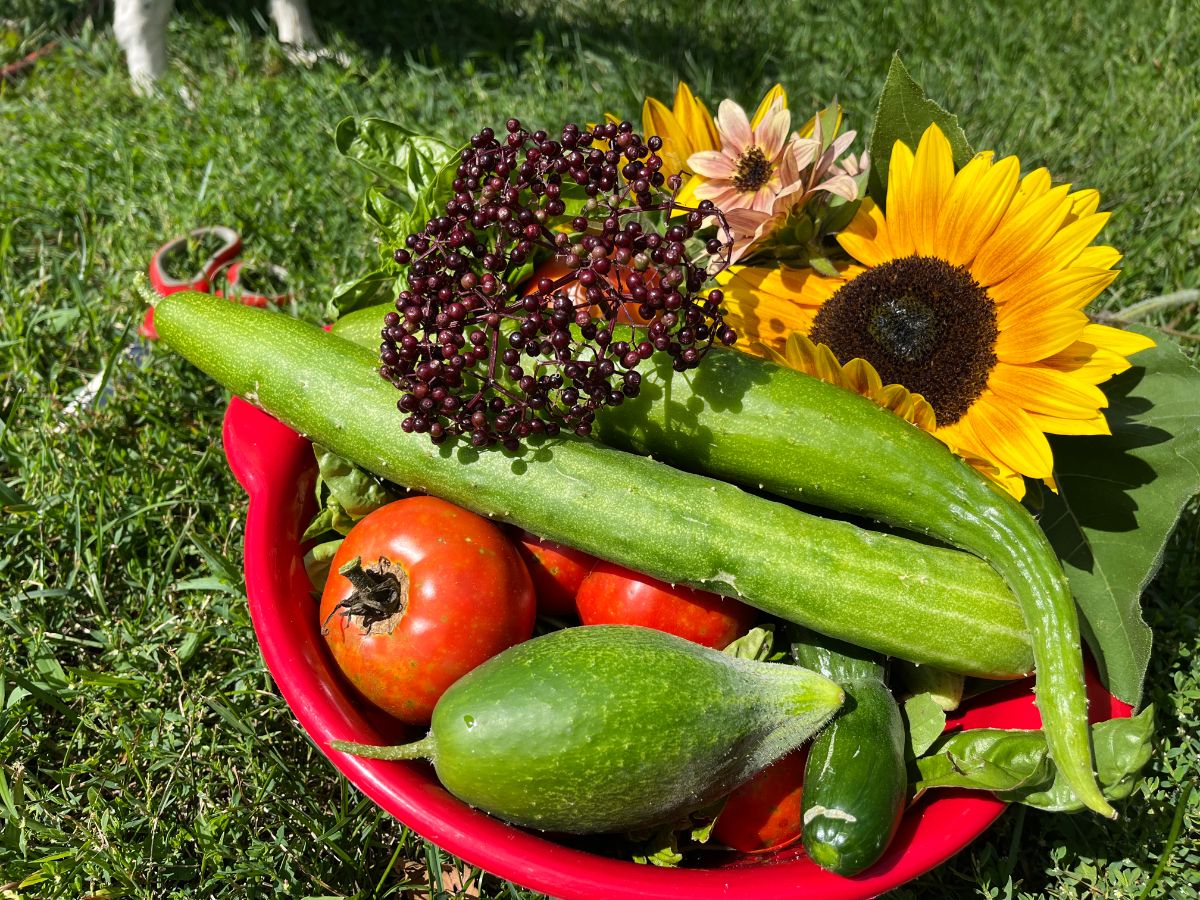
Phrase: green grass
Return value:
(143, 749)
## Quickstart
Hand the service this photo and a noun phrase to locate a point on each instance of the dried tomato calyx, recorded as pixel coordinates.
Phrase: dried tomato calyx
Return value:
(380, 594)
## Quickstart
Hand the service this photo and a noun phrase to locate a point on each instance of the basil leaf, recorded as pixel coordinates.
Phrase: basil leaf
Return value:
(406, 160)
(350, 488)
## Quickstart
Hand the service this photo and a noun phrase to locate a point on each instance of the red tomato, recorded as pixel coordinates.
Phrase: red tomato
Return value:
(617, 277)
(612, 595)
(557, 572)
(764, 813)
(464, 596)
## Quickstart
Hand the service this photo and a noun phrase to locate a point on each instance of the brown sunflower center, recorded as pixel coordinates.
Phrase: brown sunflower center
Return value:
(920, 322)
(753, 170)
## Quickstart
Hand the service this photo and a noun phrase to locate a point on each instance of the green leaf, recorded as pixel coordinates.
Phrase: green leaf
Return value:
(406, 160)
(1017, 766)
(989, 759)
(353, 489)
(903, 114)
(318, 560)
(926, 722)
(368, 290)
(754, 644)
(1122, 747)
(1120, 497)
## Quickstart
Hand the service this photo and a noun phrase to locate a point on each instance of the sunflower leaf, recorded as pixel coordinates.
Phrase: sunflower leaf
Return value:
(1119, 500)
(903, 114)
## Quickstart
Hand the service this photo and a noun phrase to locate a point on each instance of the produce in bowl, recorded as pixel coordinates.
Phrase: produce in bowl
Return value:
(276, 467)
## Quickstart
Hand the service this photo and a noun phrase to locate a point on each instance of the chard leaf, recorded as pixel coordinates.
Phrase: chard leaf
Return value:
(903, 114)
(926, 721)
(353, 490)
(1120, 497)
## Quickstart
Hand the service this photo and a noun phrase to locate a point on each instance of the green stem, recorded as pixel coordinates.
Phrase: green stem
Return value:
(422, 749)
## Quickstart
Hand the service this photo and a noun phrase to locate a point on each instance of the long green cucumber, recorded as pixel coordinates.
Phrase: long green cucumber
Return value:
(855, 778)
(896, 596)
(749, 421)
(613, 728)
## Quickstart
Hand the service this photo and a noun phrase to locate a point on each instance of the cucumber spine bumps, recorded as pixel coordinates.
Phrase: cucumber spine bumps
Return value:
(613, 727)
(896, 596)
(752, 422)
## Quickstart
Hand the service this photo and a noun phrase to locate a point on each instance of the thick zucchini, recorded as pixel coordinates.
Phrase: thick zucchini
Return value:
(746, 420)
(612, 728)
(895, 596)
(855, 781)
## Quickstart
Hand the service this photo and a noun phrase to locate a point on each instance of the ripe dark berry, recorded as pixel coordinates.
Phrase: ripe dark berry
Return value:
(477, 355)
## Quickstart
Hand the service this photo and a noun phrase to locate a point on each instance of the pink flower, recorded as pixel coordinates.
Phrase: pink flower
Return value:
(745, 172)
(805, 170)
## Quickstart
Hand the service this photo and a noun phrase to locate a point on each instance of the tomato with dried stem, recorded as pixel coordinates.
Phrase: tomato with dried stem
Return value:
(420, 593)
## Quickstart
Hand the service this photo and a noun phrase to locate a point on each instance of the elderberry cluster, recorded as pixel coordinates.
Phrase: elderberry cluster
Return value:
(477, 354)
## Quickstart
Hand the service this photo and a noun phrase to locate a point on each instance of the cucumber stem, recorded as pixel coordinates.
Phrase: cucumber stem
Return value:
(422, 749)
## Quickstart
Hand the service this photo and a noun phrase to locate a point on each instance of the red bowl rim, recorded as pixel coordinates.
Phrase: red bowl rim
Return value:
(276, 468)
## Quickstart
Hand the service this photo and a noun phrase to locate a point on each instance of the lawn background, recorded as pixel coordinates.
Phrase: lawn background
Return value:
(143, 750)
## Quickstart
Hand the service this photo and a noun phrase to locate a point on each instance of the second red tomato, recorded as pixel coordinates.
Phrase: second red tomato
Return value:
(612, 595)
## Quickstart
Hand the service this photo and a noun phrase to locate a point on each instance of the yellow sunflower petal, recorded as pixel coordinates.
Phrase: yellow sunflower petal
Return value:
(775, 95)
(975, 205)
(1087, 362)
(1099, 257)
(1093, 425)
(1058, 253)
(866, 237)
(899, 211)
(695, 119)
(1047, 390)
(1085, 202)
(677, 146)
(1019, 237)
(1126, 343)
(933, 173)
(861, 377)
(1036, 337)
(1010, 437)
(1069, 289)
(1032, 186)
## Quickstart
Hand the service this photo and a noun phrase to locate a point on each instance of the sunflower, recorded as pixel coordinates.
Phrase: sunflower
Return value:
(967, 291)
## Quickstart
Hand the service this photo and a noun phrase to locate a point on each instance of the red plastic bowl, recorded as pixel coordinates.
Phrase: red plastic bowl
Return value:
(277, 469)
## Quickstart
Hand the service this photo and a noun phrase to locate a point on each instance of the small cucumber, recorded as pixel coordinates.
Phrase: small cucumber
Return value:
(900, 597)
(612, 728)
(752, 422)
(855, 780)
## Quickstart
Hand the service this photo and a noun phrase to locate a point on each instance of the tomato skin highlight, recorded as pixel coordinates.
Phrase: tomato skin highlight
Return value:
(614, 595)
(469, 597)
(765, 813)
(557, 572)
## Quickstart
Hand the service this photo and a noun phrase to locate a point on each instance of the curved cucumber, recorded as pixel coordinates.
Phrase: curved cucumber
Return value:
(612, 728)
(855, 781)
(750, 421)
(893, 595)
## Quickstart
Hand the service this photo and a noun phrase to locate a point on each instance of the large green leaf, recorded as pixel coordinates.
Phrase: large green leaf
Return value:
(1119, 499)
(903, 114)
